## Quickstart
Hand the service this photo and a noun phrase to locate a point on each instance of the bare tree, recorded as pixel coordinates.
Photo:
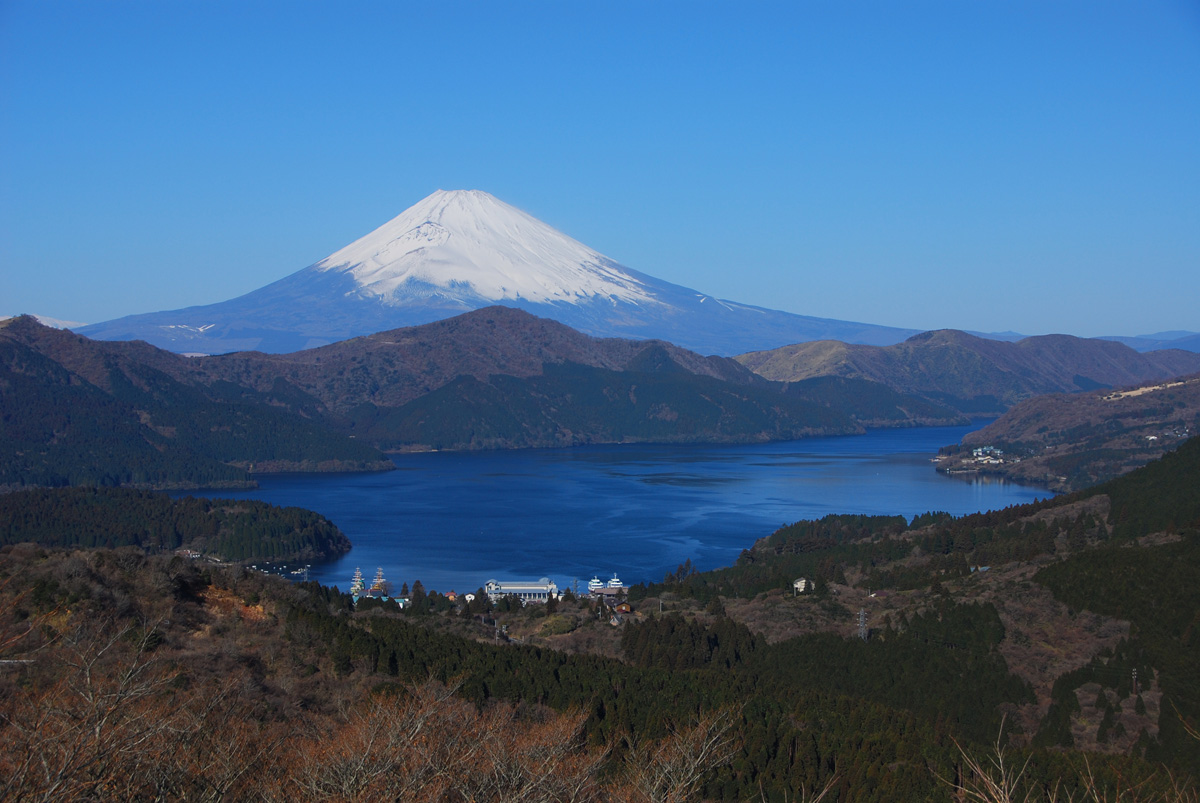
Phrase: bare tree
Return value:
(427, 744)
(671, 770)
(94, 726)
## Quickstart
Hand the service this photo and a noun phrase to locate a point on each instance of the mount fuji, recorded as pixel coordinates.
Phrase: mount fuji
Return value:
(457, 251)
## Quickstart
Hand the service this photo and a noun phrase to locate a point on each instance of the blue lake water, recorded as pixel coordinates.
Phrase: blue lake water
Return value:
(454, 520)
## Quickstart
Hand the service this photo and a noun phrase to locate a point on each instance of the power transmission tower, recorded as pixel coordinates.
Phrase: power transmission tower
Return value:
(862, 624)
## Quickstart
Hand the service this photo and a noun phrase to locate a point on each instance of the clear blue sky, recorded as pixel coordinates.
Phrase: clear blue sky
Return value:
(982, 164)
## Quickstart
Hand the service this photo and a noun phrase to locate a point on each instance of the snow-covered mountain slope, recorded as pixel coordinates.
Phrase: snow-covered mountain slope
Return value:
(53, 323)
(470, 244)
(463, 250)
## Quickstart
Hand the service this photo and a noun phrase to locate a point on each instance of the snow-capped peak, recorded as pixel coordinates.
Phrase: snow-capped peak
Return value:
(468, 243)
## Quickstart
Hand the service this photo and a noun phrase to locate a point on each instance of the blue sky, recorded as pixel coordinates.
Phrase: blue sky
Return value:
(986, 165)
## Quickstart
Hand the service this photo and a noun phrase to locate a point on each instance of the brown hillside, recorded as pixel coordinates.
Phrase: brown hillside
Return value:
(975, 374)
(1067, 442)
(394, 367)
(388, 368)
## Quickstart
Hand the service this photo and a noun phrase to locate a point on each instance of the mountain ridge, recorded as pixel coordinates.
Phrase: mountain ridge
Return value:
(487, 379)
(976, 375)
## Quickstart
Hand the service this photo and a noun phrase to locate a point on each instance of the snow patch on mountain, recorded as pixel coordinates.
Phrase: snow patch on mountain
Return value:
(468, 245)
(56, 323)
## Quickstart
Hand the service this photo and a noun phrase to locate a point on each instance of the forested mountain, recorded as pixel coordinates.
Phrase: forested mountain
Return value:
(60, 430)
(976, 375)
(76, 411)
(570, 404)
(495, 378)
(1067, 442)
(1093, 592)
(241, 530)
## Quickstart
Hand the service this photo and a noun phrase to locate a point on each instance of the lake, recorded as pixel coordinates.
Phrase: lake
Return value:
(454, 520)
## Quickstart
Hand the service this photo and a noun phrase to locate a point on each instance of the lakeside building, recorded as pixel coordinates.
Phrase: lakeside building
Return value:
(540, 591)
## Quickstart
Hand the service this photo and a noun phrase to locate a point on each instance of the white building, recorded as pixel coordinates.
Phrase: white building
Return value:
(541, 591)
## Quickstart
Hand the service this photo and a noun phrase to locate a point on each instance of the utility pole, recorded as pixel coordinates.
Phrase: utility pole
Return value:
(862, 623)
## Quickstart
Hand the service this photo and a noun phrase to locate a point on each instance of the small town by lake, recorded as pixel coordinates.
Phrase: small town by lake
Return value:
(454, 520)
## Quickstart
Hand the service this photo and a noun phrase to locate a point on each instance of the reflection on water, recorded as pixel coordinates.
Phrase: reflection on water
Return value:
(455, 520)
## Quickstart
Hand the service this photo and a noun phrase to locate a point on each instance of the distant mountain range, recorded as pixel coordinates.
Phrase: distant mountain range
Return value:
(1187, 341)
(464, 250)
(972, 374)
(79, 411)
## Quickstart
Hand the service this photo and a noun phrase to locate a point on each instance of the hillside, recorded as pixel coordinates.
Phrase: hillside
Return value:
(392, 368)
(972, 374)
(1068, 442)
(569, 405)
(227, 530)
(874, 404)
(1086, 589)
(80, 412)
